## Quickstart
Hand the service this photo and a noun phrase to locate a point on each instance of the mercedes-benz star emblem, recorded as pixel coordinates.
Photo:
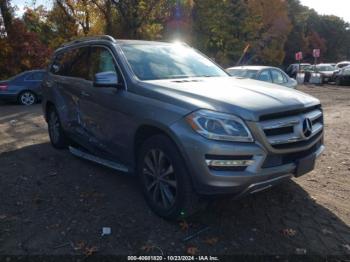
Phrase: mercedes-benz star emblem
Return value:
(307, 127)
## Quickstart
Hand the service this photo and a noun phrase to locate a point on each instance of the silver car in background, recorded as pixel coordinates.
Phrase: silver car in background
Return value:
(263, 73)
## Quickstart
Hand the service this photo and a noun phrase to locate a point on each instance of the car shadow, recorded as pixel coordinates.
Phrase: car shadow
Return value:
(54, 203)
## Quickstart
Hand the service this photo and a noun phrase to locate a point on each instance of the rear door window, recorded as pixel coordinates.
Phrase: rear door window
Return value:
(79, 64)
(72, 63)
(278, 77)
(265, 76)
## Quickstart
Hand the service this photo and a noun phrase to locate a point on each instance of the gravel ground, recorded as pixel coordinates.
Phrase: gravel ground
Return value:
(54, 203)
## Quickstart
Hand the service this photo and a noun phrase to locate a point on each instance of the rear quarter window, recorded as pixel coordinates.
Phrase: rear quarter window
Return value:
(35, 76)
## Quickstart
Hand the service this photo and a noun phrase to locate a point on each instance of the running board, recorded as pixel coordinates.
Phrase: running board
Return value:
(101, 161)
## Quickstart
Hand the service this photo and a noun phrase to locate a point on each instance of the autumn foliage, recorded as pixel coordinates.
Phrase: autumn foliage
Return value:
(274, 30)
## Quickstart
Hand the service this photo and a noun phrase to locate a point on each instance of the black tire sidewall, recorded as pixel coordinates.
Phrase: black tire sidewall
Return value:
(338, 82)
(184, 184)
(62, 141)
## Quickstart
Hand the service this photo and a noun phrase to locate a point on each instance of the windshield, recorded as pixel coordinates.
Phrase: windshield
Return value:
(325, 68)
(168, 61)
(343, 65)
(245, 73)
(304, 66)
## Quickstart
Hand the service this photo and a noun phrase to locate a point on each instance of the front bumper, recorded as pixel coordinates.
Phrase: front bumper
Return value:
(256, 177)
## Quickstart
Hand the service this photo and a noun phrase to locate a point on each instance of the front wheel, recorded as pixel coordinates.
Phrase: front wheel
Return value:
(338, 82)
(165, 180)
(27, 98)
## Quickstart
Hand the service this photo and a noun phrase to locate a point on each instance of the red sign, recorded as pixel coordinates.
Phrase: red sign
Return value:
(299, 56)
(316, 53)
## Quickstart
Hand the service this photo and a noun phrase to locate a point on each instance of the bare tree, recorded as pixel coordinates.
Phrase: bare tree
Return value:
(6, 14)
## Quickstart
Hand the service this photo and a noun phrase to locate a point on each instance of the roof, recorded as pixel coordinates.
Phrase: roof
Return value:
(258, 68)
(110, 39)
(142, 42)
(344, 62)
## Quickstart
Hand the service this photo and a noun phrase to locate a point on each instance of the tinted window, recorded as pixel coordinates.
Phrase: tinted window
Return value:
(343, 65)
(101, 61)
(325, 68)
(278, 77)
(265, 76)
(346, 71)
(73, 63)
(79, 64)
(36, 76)
(244, 73)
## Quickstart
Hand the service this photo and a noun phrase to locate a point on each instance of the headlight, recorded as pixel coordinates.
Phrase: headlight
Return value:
(219, 126)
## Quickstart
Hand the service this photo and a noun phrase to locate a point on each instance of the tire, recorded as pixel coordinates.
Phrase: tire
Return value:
(57, 136)
(165, 181)
(27, 98)
(338, 82)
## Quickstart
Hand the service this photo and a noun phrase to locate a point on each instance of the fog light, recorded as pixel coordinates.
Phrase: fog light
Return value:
(228, 163)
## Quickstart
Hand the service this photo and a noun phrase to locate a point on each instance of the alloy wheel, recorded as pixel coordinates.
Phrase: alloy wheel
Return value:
(160, 178)
(27, 98)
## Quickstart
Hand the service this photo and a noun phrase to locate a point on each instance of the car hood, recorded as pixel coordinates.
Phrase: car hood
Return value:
(246, 98)
(327, 72)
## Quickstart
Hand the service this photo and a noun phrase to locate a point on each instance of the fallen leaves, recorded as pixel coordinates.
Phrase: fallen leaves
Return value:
(89, 251)
(85, 249)
(289, 232)
(192, 250)
(211, 241)
(147, 248)
(184, 226)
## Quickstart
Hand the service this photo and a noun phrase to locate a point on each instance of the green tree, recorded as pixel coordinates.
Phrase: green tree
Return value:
(141, 19)
(219, 28)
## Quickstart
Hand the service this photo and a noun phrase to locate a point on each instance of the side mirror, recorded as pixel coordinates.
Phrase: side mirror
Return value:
(106, 79)
(55, 68)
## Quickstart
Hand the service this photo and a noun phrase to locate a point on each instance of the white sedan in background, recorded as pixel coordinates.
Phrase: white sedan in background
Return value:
(263, 73)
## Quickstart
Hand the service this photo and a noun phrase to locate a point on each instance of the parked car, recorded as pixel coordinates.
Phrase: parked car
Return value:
(327, 72)
(343, 77)
(340, 65)
(24, 88)
(170, 115)
(293, 69)
(263, 73)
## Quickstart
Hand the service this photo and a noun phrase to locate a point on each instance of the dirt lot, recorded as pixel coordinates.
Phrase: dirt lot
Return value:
(54, 203)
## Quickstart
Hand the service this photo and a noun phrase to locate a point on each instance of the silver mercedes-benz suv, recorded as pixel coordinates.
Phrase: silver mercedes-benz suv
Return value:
(170, 115)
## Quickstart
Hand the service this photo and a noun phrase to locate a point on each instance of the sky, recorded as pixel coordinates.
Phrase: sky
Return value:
(329, 7)
(339, 8)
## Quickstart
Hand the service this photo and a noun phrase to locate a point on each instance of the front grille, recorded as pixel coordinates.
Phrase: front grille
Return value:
(293, 129)
(289, 113)
(278, 131)
(283, 159)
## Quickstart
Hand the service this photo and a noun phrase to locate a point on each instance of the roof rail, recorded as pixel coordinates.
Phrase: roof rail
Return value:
(90, 38)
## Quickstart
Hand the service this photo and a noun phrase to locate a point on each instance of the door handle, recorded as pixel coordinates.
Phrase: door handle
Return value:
(83, 93)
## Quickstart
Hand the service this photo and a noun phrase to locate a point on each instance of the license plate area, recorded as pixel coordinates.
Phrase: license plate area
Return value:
(305, 165)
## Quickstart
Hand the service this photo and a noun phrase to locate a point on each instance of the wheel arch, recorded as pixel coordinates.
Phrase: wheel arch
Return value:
(148, 130)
